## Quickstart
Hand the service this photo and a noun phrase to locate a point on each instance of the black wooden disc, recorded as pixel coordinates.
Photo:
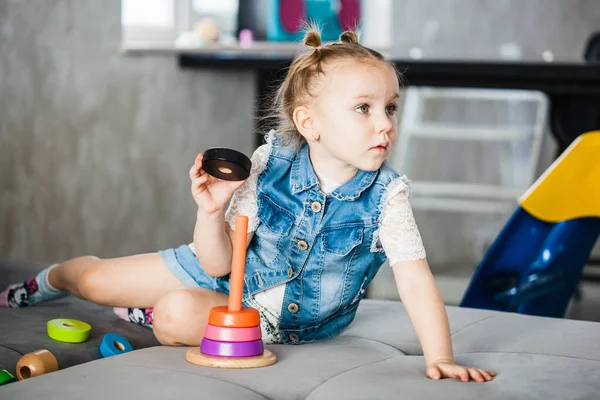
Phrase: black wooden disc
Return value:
(226, 164)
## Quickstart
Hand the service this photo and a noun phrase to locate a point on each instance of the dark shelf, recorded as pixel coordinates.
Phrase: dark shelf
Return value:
(551, 78)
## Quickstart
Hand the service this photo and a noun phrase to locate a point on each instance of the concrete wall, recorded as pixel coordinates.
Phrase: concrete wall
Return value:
(490, 28)
(95, 147)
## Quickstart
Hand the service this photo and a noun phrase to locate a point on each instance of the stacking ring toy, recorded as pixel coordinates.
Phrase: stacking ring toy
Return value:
(224, 334)
(6, 377)
(68, 330)
(232, 349)
(226, 164)
(113, 344)
(37, 363)
(232, 337)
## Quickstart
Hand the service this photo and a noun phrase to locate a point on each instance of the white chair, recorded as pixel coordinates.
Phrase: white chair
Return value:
(470, 150)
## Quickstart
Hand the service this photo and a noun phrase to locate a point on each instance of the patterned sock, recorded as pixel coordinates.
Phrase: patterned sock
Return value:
(140, 316)
(31, 292)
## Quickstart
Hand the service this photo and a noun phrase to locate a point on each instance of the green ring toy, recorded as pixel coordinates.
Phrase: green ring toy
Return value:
(68, 330)
(6, 377)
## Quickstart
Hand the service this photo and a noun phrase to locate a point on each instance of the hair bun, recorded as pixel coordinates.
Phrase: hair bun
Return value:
(349, 37)
(312, 39)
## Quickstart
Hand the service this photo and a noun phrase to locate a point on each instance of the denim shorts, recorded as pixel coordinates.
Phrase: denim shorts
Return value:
(182, 263)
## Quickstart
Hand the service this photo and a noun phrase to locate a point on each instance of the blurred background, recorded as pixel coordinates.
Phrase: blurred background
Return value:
(99, 124)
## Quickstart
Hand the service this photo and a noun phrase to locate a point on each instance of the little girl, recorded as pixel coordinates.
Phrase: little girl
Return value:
(325, 211)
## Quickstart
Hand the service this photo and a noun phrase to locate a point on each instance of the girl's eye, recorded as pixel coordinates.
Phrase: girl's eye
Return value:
(391, 109)
(363, 109)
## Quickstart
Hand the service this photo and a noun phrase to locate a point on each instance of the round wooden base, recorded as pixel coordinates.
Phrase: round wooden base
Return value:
(196, 357)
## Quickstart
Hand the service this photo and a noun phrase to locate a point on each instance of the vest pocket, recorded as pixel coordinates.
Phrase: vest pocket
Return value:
(272, 232)
(342, 240)
(276, 218)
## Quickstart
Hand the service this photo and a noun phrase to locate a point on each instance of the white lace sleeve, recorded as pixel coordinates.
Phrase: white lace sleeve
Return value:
(399, 233)
(243, 201)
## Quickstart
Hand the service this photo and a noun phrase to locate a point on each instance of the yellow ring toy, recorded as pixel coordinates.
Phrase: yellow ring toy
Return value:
(68, 330)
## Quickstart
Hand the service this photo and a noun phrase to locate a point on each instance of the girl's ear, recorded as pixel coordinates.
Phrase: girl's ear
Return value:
(304, 122)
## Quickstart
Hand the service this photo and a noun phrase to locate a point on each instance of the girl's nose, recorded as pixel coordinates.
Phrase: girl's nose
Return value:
(383, 125)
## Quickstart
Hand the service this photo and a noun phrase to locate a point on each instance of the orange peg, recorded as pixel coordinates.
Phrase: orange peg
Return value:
(234, 315)
(238, 263)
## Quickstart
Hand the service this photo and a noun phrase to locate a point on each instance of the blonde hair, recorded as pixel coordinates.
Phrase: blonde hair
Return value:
(302, 76)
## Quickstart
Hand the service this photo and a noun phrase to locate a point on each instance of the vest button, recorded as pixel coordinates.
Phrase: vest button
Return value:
(294, 337)
(290, 272)
(293, 308)
(315, 206)
(302, 245)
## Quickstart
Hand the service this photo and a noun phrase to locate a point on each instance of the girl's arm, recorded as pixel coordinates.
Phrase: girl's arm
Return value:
(426, 310)
(213, 241)
(219, 202)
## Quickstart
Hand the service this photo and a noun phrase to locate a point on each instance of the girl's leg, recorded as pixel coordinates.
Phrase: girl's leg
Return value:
(135, 281)
(181, 315)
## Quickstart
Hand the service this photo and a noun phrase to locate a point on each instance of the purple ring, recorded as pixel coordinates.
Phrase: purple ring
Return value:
(231, 349)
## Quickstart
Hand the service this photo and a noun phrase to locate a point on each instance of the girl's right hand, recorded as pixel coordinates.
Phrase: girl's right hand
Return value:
(211, 194)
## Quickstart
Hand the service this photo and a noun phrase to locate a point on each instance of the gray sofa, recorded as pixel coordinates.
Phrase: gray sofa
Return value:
(377, 357)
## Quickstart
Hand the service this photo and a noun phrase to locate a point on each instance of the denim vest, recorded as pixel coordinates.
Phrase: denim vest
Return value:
(324, 247)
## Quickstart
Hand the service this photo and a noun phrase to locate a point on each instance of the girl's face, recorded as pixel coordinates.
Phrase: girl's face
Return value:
(354, 114)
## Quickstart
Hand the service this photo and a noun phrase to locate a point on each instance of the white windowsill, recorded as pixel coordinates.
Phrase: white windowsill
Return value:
(168, 48)
(140, 48)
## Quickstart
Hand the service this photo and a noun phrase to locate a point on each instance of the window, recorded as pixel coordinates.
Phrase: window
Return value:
(153, 23)
(156, 24)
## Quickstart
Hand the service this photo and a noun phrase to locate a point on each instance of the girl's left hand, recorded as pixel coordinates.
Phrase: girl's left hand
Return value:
(449, 369)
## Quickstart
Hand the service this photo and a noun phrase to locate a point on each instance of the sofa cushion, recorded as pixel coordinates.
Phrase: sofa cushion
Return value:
(378, 356)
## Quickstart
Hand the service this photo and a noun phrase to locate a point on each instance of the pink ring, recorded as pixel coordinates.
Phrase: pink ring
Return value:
(224, 334)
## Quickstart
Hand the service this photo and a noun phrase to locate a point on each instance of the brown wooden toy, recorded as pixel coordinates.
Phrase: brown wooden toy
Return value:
(232, 337)
(37, 363)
